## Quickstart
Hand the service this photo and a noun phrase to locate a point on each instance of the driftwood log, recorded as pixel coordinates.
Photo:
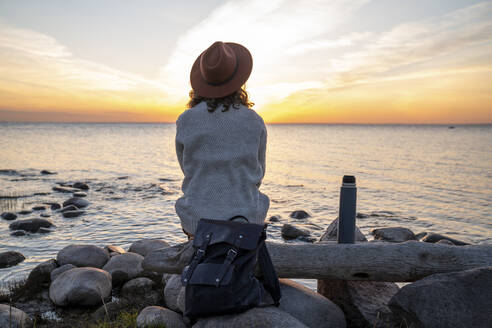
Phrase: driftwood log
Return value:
(374, 261)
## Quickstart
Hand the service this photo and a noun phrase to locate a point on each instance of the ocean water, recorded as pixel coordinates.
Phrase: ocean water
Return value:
(426, 178)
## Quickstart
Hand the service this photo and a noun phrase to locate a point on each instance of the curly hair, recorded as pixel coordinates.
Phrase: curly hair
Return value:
(235, 99)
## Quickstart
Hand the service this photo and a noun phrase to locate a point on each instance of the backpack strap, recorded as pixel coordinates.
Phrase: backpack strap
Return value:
(231, 255)
(199, 253)
(270, 278)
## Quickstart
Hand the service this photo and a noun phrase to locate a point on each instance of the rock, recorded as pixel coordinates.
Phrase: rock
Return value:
(114, 249)
(69, 208)
(457, 299)
(361, 216)
(270, 317)
(11, 317)
(81, 286)
(41, 274)
(79, 202)
(39, 208)
(363, 302)
(79, 194)
(83, 256)
(58, 271)
(331, 233)
(73, 214)
(31, 225)
(393, 234)
(172, 291)
(145, 246)
(10, 258)
(445, 242)
(299, 215)
(54, 206)
(24, 212)
(46, 172)
(274, 218)
(64, 189)
(18, 233)
(45, 215)
(9, 172)
(111, 311)
(9, 216)
(420, 235)
(435, 237)
(45, 230)
(307, 239)
(80, 185)
(156, 316)
(124, 267)
(137, 286)
(291, 232)
(311, 308)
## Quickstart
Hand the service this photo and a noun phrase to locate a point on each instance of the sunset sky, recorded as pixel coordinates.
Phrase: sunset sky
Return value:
(338, 61)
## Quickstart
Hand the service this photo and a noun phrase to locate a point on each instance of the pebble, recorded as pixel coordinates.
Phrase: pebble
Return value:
(39, 208)
(46, 172)
(8, 216)
(79, 202)
(299, 215)
(80, 185)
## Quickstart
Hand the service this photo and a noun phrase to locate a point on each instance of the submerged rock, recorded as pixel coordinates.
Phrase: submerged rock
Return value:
(445, 242)
(393, 234)
(39, 208)
(13, 317)
(79, 194)
(24, 212)
(46, 172)
(80, 185)
(79, 202)
(299, 215)
(18, 233)
(64, 189)
(145, 246)
(157, 316)
(81, 287)
(31, 225)
(69, 208)
(311, 308)
(45, 215)
(274, 218)
(83, 256)
(73, 214)
(124, 267)
(331, 233)
(54, 206)
(435, 237)
(10, 258)
(457, 299)
(9, 216)
(291, 232)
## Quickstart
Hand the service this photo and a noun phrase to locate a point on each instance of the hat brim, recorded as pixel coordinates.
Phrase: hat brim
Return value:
(241, 75)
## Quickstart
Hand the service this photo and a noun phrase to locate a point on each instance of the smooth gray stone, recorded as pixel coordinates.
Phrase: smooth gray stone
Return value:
(10, 258)
(114, 249)
(31, 225)
(137, 286)
(81, 286)
(331, 233)
(69, 208)
(56, 272)
(9, 216)
(170, 260)
(457, 299)
(77, 201)
(271, 317)
(124, 267)
(45, 215)
(18, 233)
(299, 215)
(144, 246)
(445, 242)
(172, 290)
(153, 316)
(41, 273)
(64, 189)
(73, 214)
(83, 256)
(311, 308)
(11, 317)
(393, 234)
(435, 237)
(80, 185)
(290, 231)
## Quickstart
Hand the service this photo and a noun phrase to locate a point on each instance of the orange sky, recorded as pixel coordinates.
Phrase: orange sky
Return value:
(325, 64)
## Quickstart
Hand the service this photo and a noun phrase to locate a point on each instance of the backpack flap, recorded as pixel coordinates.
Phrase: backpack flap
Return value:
(206, 274)
(228, 232)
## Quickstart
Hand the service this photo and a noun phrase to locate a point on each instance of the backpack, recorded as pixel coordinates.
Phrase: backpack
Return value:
(220, 278)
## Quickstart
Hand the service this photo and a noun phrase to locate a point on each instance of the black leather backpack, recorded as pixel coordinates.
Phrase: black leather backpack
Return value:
(220, 278)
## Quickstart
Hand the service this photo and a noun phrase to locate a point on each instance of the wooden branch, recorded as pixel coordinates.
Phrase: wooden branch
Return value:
(375, 261)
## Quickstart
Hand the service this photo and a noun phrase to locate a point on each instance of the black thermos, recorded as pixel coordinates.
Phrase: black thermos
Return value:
(346, 214)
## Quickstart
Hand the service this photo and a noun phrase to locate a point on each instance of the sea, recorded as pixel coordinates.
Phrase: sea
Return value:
(428, 178)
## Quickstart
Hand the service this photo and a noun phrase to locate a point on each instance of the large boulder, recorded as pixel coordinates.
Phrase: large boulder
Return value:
(137, 286)
(393, 234)
(31, 225)
(41, 274)
(331, 233)
(290, 231)
(311, 308)
(157, 316)
(124, 267)
(11, 317)
(58, 271)
(271, 317)
(458, 299)
(145, 246)
(10, 258)
(76, 201)
(83, 256)
(81, 286)
(174, 293)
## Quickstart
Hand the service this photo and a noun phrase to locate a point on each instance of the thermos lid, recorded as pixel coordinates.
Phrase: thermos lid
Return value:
(348, 179)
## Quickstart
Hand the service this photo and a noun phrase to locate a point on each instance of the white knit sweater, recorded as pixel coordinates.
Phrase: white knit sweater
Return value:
(222, 156)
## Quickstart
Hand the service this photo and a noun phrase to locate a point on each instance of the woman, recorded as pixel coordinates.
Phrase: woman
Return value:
(221, 142)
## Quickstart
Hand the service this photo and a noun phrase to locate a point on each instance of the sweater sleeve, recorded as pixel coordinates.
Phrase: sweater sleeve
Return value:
(179, 146)
(262, 153)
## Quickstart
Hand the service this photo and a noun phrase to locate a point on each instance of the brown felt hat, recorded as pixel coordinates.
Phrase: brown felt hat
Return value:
(221, 70)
